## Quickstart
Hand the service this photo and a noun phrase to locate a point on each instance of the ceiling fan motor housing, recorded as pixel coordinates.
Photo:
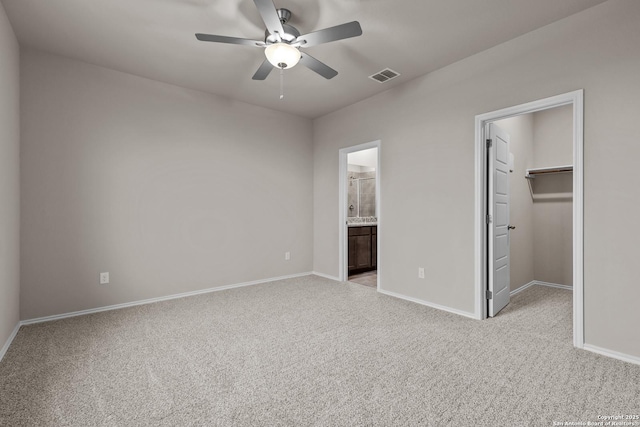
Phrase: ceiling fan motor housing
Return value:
(289, 36)
(290, 33)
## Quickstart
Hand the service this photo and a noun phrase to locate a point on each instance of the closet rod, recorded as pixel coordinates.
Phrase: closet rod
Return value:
(531, 173)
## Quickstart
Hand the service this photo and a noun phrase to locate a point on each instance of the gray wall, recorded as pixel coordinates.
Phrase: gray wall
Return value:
(521, 253)
(9, 179)
(170, 190)
(553, 206)
(427, 164)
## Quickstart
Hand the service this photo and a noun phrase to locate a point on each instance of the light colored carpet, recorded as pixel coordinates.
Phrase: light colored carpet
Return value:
(370, 278)
(311, 351)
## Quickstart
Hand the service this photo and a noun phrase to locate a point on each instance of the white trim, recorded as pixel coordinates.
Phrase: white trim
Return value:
(592, 348)
(575, 98)
(554, 285)
(479, 238)
(378, 215)
(540, 283)
(428, 304)
(578, 219)
(342, 208)
(158, 299)
(610, 353)
(326, 276)
(522, 288)
(6, 345)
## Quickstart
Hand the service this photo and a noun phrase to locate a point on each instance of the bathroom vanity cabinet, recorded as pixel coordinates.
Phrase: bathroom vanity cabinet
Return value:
(363, 248)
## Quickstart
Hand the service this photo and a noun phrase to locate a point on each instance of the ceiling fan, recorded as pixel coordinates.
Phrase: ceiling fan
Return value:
(282, 42)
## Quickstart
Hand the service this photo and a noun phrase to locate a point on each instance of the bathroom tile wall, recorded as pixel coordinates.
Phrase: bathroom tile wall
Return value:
(367, 193)
(352, 191)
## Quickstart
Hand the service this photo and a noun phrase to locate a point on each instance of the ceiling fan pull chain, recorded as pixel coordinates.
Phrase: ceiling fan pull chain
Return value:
(281, 83)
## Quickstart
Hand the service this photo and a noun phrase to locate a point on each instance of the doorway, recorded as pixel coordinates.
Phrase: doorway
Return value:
(359, 205)
(493, 226)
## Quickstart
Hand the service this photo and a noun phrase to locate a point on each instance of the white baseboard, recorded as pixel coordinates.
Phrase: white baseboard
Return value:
(6, 345)
(540, 283)
(592, 348)
(428, 304)
(611, 353)
(158, 299)
(554, 285)
(326, 276)
(522, 288)
(407, 298)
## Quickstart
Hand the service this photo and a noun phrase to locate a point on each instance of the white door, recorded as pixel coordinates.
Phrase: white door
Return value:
(498, 220)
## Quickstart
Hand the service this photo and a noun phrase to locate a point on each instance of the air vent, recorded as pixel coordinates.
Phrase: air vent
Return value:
(384, 75)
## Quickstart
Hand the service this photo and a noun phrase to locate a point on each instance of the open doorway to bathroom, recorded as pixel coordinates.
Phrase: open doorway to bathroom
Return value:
(362, 221)
(360, 214)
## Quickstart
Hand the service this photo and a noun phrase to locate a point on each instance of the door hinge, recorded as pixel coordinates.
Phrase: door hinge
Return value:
(488, 294)
(489, 219)
(489, 143)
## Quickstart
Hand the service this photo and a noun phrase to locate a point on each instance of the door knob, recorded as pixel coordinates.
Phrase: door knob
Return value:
(511, 227)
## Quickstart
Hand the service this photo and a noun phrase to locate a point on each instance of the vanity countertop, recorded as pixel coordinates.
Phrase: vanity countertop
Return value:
(363, 221)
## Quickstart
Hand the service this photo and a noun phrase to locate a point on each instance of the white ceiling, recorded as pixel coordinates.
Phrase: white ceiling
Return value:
(367, 158)
(155, 39)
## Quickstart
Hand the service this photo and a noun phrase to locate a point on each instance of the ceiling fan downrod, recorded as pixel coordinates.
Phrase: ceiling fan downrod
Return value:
(284, 15)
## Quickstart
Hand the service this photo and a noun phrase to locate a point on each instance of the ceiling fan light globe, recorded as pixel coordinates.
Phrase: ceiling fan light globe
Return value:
(282, 55)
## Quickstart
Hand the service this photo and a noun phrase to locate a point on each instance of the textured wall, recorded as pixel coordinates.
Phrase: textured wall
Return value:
(170, 190)
(427, 164)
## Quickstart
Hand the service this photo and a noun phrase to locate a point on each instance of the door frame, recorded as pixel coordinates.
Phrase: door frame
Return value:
(343, 235)
(575, 98)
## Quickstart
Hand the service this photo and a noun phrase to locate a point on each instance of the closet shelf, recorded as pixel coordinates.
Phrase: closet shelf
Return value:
(532, 173)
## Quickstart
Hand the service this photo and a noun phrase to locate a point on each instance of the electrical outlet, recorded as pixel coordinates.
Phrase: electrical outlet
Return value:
(287, 256)
(104, 278)
(421, 273)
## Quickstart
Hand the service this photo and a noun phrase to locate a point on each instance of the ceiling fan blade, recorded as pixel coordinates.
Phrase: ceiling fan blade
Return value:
(319, 67)
(230, 40)
(339, 32)
(263, 70)
(270, 16)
